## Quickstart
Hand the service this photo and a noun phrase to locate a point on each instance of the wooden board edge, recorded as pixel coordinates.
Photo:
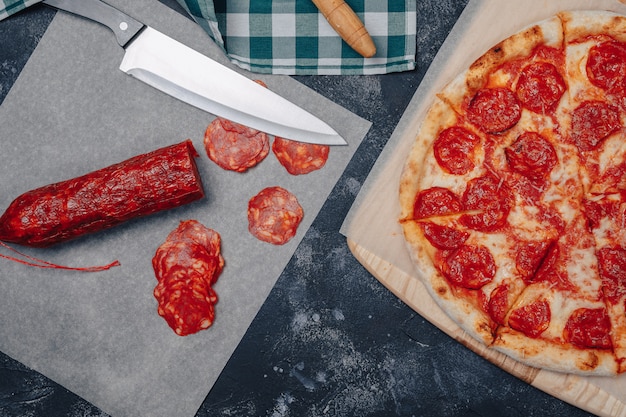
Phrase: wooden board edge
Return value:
(573, 389)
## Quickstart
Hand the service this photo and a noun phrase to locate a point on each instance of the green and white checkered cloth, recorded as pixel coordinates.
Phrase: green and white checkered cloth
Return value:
(9, 7)
(292, 37)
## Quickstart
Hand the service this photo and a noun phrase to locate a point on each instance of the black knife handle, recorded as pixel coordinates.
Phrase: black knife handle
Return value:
(123, 26)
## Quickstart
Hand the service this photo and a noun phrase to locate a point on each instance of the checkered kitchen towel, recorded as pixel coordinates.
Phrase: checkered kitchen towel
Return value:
(292, 36)
(9, 7)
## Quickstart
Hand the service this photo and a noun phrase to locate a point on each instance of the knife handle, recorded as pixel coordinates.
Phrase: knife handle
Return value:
(348, 25)
(123, 26)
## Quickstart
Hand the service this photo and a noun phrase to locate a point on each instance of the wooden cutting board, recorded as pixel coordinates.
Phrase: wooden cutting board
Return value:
(375, 237)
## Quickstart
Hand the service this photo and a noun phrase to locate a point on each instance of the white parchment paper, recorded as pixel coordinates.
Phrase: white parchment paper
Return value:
(98, 334)
(482, 24)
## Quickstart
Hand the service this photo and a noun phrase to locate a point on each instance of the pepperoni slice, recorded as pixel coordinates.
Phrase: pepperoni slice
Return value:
(606, 66)
(444, 237)
(531, 155)
(594, 212)
(435, 201)
(552, 269)
(589, 328)
(592, 122)
(454, 150)
(186, 265)
(469, 267)
(191, 245)
(607, 208)
(498, 303)
(274, 215)
(540, 87)
(532, 319)
(183, 279)
(300, 158)
(529, 257)
(491, 199)
(612, 264)
(184, 260)
(235, 147)
(494, 110)
(186, 311)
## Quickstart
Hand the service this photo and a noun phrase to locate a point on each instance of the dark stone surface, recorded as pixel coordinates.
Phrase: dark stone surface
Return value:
(19, 36)
(330, 340)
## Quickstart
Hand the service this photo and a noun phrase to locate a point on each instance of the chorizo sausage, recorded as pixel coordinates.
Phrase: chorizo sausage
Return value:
(142, 185)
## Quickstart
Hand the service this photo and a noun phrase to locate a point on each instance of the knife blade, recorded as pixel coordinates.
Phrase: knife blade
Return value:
(180, 71)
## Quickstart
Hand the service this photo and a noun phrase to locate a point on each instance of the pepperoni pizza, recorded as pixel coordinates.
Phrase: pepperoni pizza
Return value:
(513, 197)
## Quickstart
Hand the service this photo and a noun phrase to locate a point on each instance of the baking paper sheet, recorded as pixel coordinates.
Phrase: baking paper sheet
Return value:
(377, 202)
(98, 334)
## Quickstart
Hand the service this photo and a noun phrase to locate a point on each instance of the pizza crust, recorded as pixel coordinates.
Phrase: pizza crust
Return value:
(463, 311)
(582, 24)
(518, 45)
(555, 357)
(438, 118)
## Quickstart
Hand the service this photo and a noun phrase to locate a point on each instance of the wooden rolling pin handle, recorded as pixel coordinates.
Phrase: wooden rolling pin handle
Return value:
(348, 25)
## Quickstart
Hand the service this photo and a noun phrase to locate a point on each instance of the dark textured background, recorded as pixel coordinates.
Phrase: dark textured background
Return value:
(330, 340)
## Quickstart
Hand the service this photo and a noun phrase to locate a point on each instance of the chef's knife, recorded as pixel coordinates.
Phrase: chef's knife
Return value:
(184, 73)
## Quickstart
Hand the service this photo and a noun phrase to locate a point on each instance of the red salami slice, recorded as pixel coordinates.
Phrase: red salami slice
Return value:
(492, 201)
(274, 215)
(589, 328)
(612, 264)
(494, 110)
(184, 258)
(443, 237)
(470, 267)
(148, 183)
(186, 266)
(300, 158)
(532, 156)
(184, 279)
(552, 269)
(455, 148)
(235, 147)
(529, 256)
(592, 122)
(186, 311)
(435, 201)
(540, 87)
(499, 303)
(532, 319)
(606, 66)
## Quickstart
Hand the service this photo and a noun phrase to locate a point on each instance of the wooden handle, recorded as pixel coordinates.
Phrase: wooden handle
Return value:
(348, 25)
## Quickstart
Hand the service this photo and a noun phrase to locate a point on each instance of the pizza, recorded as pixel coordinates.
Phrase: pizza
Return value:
(513, 196)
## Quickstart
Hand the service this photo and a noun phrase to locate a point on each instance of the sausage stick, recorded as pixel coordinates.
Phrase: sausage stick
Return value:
(155, 181)
(348, 25)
